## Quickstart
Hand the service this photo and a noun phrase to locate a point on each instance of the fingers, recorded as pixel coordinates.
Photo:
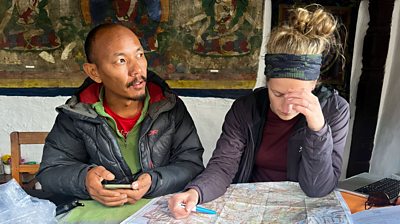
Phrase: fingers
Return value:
(135, 185)
(175, 206)
(105, 174)
(306, 103)
(96, 191)
(304, 99)
(101, 173)
(132, 201)
(111, 200)
(190, 205)
(181, 204)
(302, 106)
(143, 182)
(95, 176)
(132, 195)
(115, 197)
(139, 188)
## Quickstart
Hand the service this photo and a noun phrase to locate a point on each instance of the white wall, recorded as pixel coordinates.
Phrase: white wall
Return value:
(38, 114)
(208, 115)
(361, 30)
(386, 153)
(261, 80)
(26, 114)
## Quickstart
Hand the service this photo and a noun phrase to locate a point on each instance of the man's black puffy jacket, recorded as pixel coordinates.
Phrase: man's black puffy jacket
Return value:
(169, 147)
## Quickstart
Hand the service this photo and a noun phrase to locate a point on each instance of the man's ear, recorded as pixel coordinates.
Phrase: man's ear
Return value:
(91, 70)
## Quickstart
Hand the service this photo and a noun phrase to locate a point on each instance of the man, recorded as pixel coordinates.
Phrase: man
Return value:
(122, 126)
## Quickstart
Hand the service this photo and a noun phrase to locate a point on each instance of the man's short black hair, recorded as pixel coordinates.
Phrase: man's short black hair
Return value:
(91, 37)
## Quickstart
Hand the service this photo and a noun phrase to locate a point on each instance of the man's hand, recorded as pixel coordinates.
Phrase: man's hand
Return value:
(139, 188)
(96, 191)
(189, 198)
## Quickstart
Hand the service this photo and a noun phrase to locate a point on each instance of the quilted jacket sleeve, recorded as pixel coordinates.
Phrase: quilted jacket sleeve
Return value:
(320, 166)
(224, 163)
(65, 161)
(185, 159)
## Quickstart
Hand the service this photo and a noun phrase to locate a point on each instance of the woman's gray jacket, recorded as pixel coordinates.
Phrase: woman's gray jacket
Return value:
(314, 159)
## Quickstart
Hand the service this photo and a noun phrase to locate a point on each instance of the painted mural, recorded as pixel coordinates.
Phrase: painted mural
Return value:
(222, 31)
(26, 26)
(143, 17)
(186, 41)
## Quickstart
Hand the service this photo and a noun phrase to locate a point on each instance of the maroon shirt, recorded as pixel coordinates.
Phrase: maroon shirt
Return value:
(271, 158)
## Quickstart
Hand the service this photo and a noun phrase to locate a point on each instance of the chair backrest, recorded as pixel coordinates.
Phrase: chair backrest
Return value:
(17, 139)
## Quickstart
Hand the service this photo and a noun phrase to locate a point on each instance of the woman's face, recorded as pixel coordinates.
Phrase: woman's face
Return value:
(278, 88)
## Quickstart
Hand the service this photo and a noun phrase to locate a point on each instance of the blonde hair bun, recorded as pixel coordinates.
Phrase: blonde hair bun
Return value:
(318, 22)
(308, 30)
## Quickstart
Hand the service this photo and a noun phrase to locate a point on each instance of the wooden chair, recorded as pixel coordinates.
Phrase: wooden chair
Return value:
(17, 139)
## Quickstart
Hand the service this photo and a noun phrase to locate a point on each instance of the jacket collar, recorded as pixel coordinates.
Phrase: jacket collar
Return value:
(79, 105)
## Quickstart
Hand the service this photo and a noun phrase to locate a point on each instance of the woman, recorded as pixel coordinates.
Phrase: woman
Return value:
(292, 130)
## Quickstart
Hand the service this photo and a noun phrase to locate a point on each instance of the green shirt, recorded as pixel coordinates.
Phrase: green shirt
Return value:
(129, 145)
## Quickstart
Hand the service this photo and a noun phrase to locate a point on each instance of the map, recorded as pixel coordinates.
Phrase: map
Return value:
(269, 202)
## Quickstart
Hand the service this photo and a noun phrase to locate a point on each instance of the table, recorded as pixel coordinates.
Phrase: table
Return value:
(354, 202)
(94, 212)
(279, 202)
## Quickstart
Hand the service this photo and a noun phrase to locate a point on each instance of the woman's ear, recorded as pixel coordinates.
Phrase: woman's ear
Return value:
(91, 71)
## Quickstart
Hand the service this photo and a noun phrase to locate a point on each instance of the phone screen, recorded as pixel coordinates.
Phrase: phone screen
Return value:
(117, 186)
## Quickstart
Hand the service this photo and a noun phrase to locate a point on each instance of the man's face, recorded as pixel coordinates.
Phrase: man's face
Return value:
(278, 87)
(120, 63)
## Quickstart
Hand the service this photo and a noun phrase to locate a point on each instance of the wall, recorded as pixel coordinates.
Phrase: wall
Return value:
(361, 30)
(38, 114)
(261, 81)
(385, 158)
(26, 114)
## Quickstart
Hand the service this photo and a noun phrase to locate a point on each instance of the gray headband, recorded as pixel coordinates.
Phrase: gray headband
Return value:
(303, 67)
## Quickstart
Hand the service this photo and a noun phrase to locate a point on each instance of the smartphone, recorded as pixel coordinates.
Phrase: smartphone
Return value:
(117, 186)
